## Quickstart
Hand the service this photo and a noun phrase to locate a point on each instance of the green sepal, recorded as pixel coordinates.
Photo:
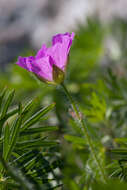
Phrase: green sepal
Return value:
(58, 75)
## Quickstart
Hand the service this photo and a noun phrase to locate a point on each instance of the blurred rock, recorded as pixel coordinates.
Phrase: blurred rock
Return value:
(109, 9)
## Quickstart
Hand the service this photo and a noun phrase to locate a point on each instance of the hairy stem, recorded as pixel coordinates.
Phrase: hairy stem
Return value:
(84, 128)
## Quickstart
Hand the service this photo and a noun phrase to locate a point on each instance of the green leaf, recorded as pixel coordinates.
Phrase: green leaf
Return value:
(74, 186)
(7, 104)
(11, 113)
(14, 134)
(75, 139)
(29, 105)
(2, 96)
(39, 130)
(20, 109)
(98, 109)
(6, 141)
(121, 141)
(116, 184)
(35, 118)
(17, 176)
(118, 153)
(35, 144)
(1, 125)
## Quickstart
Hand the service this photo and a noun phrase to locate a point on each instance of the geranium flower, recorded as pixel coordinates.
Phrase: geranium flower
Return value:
(49, 64)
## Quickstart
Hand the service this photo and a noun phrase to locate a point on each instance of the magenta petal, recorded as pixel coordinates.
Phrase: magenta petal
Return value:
(42, 52)
(57, 39)
(64, 39)
(60, 49)
(58, 56)
(43, 68)
(25, 62)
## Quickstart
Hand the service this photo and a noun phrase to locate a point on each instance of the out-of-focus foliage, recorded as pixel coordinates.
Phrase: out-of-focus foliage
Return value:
(97, 80)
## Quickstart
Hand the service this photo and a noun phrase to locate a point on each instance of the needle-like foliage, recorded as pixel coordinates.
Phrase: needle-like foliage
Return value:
(26, 158)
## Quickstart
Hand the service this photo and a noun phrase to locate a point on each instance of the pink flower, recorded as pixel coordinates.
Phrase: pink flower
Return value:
(49, 64)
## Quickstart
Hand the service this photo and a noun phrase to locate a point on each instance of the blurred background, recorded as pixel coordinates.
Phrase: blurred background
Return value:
(29, 24)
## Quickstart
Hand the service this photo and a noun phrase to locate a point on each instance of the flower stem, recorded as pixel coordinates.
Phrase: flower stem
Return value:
(84, 128)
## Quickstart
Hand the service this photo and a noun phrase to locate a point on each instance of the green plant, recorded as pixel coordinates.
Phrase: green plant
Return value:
(28, 158)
